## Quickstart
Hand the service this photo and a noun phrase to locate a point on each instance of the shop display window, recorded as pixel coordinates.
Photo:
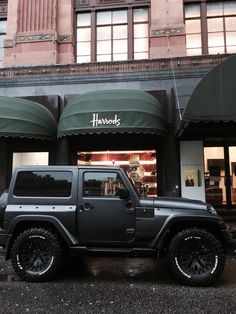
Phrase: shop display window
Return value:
(140, 166)
(215, 176)
(30, 159)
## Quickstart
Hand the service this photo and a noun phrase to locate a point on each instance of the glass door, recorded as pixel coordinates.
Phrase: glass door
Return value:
(215, 176)
(220, 176)
(232, 166)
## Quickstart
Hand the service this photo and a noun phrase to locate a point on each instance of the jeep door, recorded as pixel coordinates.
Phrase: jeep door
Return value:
(102, 215)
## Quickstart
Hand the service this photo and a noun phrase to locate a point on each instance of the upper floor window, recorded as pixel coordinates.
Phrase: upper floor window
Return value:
(210, 27)
(112, 35)
(193, 29)
(84, 37)
(3, 29)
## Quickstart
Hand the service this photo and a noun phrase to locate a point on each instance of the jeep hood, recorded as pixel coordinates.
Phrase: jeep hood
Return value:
(174, 203)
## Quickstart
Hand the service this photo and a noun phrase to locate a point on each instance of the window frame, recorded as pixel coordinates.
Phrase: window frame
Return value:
(204, 26)
(130, 30)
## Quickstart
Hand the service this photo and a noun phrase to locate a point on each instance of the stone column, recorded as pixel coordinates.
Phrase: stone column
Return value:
(167, 29)
(39, 32)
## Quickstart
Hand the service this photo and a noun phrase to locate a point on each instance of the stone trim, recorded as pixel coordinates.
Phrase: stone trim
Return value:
(81, 4)
(167, 32)
(8, 43)
(37, 15)
(65, 38)
(90, 69)
(35, 37)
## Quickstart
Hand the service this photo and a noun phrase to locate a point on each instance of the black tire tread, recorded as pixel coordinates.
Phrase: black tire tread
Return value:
(57, 254)
(214, 241)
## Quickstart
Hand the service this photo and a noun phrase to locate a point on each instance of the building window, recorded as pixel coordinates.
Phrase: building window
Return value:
(83, 37)
(210, 27)
(103, 35)
(141, 30)
(3, 29)
(112, 35)
(193, 29)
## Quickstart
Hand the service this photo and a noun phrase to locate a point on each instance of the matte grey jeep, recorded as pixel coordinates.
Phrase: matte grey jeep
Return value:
(51, 210)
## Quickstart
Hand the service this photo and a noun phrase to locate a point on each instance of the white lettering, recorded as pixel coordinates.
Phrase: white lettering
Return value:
(96, 121)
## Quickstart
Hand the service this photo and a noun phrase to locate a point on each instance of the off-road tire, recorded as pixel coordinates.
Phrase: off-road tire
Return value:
(196, 257)
(36, 255)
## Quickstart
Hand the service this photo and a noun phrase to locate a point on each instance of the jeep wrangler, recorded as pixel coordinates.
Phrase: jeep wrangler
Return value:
(51, 210)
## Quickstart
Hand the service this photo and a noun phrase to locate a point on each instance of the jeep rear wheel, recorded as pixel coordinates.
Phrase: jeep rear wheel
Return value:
(36, 254)
(196, 257)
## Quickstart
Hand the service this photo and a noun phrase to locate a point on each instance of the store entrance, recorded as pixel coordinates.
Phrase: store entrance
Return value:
(220, 176)
(141, 166)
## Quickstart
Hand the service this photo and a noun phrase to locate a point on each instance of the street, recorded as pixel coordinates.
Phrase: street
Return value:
(115, 285)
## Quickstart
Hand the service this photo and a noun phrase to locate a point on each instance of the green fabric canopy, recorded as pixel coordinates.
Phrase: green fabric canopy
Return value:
(25, 119)
(214, 98)
(115, 111)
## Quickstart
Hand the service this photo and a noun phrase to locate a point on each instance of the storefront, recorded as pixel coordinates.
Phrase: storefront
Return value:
(27, 135)
(209, 123)
(117, 128)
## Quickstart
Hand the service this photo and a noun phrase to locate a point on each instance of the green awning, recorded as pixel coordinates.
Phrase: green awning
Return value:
(115, 111)
(25, 119)
(214, 98)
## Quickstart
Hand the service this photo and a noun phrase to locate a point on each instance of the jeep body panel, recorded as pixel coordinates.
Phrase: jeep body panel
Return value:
(106, 219)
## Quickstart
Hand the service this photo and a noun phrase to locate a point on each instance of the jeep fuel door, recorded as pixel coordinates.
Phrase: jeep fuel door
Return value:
(104, 216)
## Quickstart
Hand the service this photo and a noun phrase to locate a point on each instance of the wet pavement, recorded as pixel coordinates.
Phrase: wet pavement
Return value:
(115, 285)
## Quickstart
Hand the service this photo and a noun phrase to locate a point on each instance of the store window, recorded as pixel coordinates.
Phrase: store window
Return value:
(215, 175)
(210, 27)
(112, 35)
(27, 159)
(232, 166)
(3, 30)
(140, 166)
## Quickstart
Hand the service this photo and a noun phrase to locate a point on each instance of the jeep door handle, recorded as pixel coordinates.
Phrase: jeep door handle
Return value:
(86, 206)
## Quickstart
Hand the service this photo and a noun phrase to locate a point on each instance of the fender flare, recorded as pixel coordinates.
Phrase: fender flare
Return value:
(159, 240)
(62, 231)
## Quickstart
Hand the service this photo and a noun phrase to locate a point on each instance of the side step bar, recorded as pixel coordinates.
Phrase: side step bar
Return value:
(84, 249)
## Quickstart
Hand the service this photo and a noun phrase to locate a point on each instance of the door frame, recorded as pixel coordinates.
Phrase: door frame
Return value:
(227, 182)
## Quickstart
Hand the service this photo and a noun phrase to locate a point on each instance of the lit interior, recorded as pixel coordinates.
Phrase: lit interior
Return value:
(139, 164)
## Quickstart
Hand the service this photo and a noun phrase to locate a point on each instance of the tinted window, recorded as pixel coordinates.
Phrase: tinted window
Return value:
(43, 184)
(102, 184)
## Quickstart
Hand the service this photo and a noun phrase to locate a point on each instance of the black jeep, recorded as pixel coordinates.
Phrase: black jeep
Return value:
(51, 210)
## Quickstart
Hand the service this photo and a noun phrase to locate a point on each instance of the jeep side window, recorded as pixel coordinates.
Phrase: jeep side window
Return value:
(104, 184)
(43, 184)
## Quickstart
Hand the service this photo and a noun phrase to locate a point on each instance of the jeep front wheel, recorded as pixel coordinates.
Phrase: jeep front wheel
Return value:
(36, 254)
(196, 257)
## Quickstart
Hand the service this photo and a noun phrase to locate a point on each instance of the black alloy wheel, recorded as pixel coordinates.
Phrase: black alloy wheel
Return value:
(36, 254)
(196, 257)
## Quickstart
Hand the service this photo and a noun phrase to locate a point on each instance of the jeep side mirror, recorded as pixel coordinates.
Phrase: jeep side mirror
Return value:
(123, 194)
